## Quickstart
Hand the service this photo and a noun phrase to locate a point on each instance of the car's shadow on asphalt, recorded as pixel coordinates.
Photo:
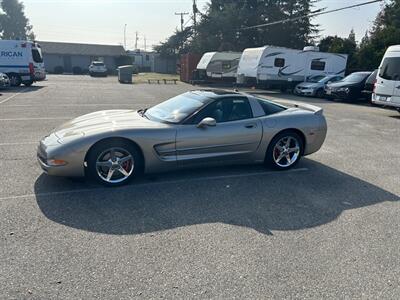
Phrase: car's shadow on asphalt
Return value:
(266, 202)
(20, 89)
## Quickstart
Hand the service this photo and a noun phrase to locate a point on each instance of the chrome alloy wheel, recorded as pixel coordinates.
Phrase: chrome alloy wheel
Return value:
(115, 165)
(286, 152)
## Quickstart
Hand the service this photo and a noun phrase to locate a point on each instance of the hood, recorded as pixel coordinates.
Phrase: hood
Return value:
(103, 121)
(340, 84)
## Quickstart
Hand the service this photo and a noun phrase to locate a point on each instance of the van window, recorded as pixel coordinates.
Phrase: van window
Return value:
(37, 57)
(390, 69)
(279, 62)
(318, 65)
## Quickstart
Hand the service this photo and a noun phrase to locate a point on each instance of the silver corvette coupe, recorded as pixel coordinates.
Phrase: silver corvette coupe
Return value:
(197, 128)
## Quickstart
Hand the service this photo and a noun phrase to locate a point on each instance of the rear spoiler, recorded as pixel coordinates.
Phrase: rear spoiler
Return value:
(315, 109)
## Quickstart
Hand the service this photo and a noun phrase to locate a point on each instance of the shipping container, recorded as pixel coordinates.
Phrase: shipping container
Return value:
(189, 63)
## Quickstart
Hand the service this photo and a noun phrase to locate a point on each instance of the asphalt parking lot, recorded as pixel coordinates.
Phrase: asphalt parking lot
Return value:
(328, 229)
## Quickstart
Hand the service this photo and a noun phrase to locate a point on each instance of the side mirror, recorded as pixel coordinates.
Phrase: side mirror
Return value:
(329, 82)
(207, 122)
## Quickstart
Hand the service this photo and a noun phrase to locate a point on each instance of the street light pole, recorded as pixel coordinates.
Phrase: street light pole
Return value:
(125, 36)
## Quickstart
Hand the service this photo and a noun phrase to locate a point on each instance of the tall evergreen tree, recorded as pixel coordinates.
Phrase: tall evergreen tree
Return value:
(222, 27)
(13, 22)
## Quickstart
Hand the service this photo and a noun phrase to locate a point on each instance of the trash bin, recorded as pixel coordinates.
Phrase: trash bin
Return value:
(125, 74)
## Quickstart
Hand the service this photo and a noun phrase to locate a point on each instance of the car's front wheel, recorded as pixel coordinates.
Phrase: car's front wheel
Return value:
(285, 150)
(114, 163)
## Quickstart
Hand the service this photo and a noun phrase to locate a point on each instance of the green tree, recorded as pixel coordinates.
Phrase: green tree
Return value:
(385, 33)
(335, 44)
(14, 24)
(222, 26)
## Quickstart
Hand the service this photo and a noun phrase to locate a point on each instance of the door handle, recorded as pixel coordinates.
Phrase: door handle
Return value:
(250, 126)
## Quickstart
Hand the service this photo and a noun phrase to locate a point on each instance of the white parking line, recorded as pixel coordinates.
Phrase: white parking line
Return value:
(206, 178)
(13, 96)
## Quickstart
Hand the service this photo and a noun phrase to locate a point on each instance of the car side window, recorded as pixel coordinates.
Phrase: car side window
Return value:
(225, 110)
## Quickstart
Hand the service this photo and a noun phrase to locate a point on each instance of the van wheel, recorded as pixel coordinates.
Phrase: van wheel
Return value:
(15, 80)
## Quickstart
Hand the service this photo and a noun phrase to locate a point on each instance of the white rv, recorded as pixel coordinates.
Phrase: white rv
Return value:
(219, 65)
(284, 67)
(22, 61)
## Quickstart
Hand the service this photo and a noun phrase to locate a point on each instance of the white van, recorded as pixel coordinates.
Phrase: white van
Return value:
(22, 61)
(387, 86)
(285, 68)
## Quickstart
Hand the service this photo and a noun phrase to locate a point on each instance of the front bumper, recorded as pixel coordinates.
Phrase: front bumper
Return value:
(337, 94)
(48, 149)
(304, 92)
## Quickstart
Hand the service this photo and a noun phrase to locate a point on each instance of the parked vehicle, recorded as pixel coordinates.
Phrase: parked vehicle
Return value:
(197, 128)
(370, 84)
(349, 88)
(22, 61)
(4, 81)
(315, 86)
(98, 68)
(218, 66)
(284, 68)
(387, 87)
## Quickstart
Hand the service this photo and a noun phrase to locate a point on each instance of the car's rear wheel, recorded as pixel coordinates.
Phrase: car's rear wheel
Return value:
(114, 163)
(285, 150)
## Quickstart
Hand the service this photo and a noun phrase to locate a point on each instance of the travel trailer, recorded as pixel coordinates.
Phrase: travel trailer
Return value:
(271, 66)
(22, 61)
(387, 86)
(218, 65)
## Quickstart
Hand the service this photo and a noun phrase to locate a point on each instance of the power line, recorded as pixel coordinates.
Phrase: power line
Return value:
(318, 12)
(182, 20)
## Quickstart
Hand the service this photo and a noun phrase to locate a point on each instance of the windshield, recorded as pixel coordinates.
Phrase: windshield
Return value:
(355, 77)
(316, 78)
(37, 55)
(176, 109)
(325, 79)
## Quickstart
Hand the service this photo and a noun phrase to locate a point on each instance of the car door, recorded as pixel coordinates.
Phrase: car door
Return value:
(235, 137)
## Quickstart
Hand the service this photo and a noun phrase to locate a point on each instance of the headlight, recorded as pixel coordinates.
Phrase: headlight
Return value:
(346, 90)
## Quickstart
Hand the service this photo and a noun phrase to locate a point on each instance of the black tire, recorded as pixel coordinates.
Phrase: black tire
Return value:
(119, 145)
(269, 157)
(28, 83)
(320, 93)
(15, 80)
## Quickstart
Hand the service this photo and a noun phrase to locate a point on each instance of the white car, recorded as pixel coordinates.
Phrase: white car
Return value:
(387, 86)
(97, 68)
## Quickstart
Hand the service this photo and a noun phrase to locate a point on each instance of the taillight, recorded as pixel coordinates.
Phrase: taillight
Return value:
(31, 69)
(375, 86)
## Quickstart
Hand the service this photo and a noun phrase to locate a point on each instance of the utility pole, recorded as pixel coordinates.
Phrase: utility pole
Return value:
(182, 20)
(145, 44)
(136, 40)
(195, 11)
(125, 36)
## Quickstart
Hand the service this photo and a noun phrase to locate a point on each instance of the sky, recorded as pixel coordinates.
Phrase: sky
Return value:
(103, 21)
